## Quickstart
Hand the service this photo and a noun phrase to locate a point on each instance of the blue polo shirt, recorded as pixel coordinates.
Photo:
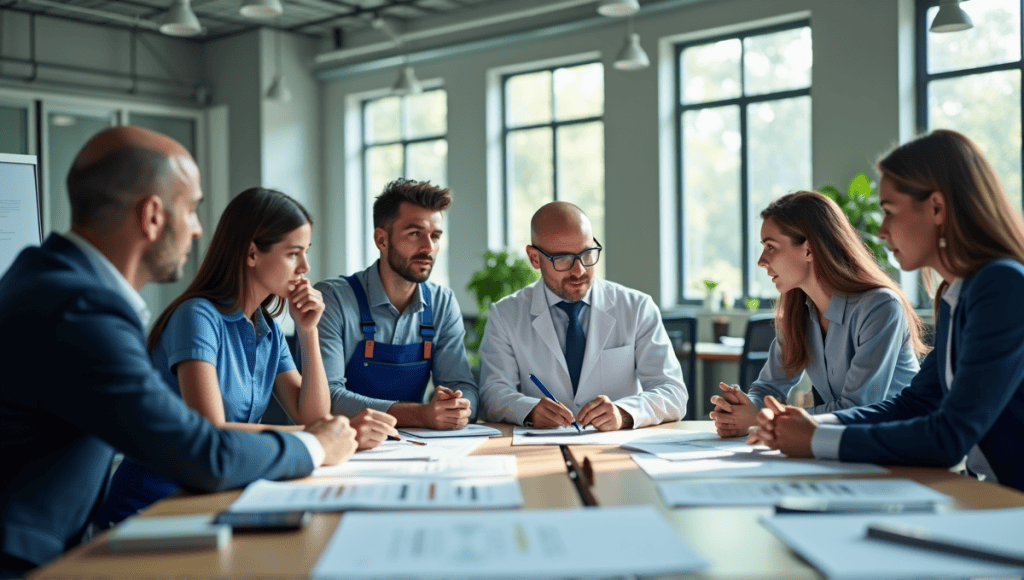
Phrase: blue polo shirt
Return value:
(248, 359)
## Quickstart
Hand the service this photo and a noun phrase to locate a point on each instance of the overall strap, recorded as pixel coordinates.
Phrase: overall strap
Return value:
(365, 318)
(426, 322)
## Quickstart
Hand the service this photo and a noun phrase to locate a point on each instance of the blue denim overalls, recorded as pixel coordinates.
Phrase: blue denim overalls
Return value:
(395, 372)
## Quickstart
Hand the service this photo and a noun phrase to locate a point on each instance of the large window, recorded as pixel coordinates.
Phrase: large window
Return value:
(744, 114)
(970, 81)
(554, 146)
(406, 137)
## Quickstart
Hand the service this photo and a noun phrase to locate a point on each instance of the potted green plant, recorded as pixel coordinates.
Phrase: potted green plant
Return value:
(860, 204)
(501, 275)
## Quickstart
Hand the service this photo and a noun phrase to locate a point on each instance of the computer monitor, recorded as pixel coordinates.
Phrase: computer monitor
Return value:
(21, 223)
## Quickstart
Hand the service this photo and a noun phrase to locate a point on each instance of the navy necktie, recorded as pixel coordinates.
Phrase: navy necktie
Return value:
(575, 342)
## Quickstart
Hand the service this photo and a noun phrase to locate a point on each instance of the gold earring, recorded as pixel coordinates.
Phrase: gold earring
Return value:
(942, 242)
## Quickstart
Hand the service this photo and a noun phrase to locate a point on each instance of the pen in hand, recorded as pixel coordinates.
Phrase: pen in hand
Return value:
(548, 394)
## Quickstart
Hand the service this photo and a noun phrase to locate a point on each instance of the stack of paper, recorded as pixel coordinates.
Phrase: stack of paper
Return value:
(838, 545)
(380, 494)
(527, 545)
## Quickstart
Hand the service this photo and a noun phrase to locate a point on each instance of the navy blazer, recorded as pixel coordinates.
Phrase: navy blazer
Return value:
(928, 424)
(79, 384)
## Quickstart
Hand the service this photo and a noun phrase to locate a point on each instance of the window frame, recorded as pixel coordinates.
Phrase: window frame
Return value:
(743, 102)
(923, 78)
(365, 146)
(554, 125)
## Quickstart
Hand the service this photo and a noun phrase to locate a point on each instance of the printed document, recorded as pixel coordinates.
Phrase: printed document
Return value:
(453, 467)
(769, 492)
(471, 430)
(838, 545)
(431, 450)
(753, 464)
(380, 494)
(527, 545)
(570, 436)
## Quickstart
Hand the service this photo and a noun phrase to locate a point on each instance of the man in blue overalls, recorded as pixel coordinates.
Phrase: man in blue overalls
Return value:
(386, 330)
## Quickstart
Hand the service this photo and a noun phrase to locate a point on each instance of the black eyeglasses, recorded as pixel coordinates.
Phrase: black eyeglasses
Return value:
(565, 262)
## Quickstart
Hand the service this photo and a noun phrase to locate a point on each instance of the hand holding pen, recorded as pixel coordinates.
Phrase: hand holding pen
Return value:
(549, 412)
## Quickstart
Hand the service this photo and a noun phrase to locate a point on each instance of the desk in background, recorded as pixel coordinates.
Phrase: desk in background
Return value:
(730, 538)
(718, 362)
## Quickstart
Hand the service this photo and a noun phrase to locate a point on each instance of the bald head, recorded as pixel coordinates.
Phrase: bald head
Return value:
(558, 219)
(117, 168)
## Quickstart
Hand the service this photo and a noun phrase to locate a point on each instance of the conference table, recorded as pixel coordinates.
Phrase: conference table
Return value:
(566, 476)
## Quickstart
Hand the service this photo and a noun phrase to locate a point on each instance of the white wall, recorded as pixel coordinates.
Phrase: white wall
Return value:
(857, 94)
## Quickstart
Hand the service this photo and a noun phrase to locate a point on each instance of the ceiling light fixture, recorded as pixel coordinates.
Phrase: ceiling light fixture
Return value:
(180, 20)
(406, 83)
(261, 9)
(632, 55)
(950, 18)
(278, 91)
(617, 8)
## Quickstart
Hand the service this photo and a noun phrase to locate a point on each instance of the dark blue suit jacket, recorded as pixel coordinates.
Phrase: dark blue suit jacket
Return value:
(79, 384)
(926, 424)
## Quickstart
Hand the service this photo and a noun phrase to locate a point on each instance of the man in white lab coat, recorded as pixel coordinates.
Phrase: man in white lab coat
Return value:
(598, 347)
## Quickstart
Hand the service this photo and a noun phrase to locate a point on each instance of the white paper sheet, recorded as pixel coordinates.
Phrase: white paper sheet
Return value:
(756, 464)
(762, 492)
(569, 436)
(380, 493)
(686, 446)
(453, 467)
(527, 545)
(837, 544)
(471, 430)
(431, 450)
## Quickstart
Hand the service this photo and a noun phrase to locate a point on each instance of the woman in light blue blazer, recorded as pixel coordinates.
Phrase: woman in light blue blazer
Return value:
(841, 318)
(945, 210)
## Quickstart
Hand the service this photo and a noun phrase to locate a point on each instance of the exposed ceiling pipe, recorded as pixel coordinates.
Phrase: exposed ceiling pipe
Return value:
(132, 20)
(348, 53)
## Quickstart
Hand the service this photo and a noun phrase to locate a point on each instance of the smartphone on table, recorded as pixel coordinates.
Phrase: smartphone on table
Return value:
(263, 521)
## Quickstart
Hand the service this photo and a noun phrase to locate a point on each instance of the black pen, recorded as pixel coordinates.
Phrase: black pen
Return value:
(921, 538)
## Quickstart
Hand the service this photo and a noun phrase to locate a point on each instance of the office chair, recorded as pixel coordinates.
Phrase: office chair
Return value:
(756, 341)
(682, 333)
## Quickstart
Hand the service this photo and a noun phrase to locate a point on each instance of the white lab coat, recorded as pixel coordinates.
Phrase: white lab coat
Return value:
(628, 357)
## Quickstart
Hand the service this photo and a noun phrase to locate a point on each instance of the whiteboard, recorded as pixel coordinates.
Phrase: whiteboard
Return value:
(21, 224)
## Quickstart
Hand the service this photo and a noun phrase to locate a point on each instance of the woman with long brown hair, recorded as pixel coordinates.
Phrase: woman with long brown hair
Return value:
(220, 347)
(944, 210)
(840, 318)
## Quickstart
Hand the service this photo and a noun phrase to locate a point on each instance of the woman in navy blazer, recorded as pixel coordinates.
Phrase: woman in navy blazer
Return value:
(945, 210)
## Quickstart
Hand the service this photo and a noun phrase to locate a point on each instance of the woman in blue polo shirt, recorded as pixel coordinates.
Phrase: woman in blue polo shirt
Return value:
(219, 346)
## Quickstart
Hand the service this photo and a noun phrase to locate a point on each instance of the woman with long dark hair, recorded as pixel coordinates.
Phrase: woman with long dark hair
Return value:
(219, 346)
(944, 210)
(841, 318)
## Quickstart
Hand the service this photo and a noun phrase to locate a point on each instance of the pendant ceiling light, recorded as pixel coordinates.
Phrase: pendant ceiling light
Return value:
(632, 55)
(406, 83)
(261, 8)
(180, 20)
(950, 18)
(278, 91)
(617, 8)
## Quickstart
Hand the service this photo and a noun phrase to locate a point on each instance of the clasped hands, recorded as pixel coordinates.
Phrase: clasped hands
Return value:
(784, 427)
(601, 413)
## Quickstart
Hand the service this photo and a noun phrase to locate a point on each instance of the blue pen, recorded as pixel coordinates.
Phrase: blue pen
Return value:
(548, 394)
